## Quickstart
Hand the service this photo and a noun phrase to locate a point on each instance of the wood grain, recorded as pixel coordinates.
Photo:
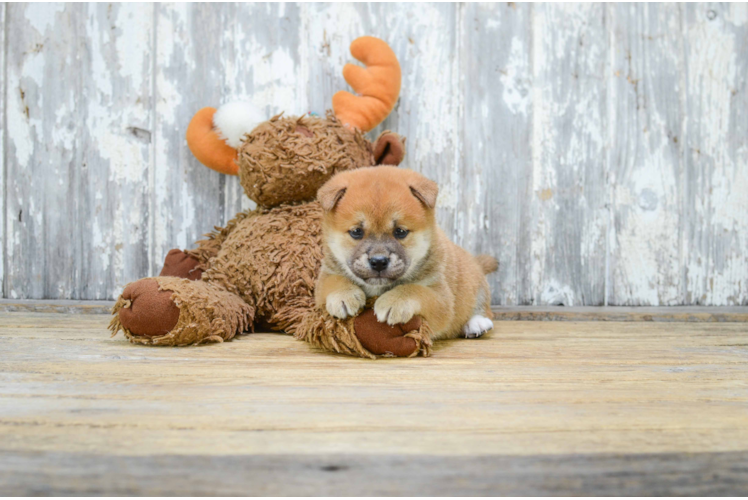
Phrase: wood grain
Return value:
(77, 212)
(3, 170)
(646, 167)
(716, 154)
(40, 165)
(599, 151)
(187, 197)
(429, 113)
(691, 314)
(261, 49)
(84, 474)
(528, 388)
(587, 400)
(493, 209)
(58, 306)
(568, 200)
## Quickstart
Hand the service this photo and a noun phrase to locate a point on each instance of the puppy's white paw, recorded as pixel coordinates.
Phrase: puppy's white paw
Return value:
(476, 326)
(391, 308)
(344, 303)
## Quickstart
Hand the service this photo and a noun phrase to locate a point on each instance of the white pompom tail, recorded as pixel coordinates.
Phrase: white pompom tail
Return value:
(235, 119)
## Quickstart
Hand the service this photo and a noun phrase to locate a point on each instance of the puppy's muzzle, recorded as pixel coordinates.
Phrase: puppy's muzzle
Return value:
(379, 263)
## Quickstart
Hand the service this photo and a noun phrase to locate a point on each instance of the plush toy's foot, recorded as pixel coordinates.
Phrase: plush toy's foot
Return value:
(146, 310)
(385, 340)
(181, 265)
(177, 311)
(364, 336)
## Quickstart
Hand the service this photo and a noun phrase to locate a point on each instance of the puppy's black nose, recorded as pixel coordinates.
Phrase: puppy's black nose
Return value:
(379, 262)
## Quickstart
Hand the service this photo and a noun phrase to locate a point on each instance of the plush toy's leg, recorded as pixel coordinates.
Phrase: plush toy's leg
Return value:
(403, 340)
(364, 336)
(176, 311)
(181, 265)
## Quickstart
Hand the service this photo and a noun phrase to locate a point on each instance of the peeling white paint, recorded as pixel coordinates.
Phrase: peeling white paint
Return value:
(717, 260)
(3, 187)
(555, 293)
(738, 14)
(514, 79)
(274, 88)
(43, 15)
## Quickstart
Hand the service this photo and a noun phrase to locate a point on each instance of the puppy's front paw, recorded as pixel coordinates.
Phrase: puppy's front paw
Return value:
(344, 303)
(392, 308)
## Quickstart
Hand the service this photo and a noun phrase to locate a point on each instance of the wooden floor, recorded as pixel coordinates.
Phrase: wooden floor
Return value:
(535, 408)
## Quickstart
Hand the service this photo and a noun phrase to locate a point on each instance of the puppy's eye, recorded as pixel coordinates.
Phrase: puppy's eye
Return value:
(400, 233)
(356, 233)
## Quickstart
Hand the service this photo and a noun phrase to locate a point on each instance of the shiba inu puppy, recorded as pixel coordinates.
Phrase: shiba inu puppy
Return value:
(381, 239)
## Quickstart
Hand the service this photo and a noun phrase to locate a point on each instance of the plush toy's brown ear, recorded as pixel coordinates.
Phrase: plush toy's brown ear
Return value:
(331, 193)
(425, 190)
(389, 149)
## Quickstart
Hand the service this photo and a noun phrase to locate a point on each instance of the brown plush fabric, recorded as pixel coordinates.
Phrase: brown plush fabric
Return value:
(208, 248)
(279, 162)
(146, 310)
(364, 336)
(381, 338)
(389, 149)
(181, 265)
(207, 313)
(272, 260)
(321, 330)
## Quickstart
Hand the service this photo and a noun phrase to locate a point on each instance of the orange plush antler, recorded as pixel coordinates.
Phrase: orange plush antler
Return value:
(377, 85)
(207, 146)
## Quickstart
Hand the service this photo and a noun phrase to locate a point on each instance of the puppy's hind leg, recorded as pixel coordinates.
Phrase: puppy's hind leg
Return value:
(476, 326)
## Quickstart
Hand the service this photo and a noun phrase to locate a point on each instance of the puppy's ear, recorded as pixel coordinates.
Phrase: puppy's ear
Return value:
(331, 193)
(425, 190)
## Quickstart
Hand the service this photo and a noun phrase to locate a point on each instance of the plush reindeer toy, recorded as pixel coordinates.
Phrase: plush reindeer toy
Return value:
(261, 268)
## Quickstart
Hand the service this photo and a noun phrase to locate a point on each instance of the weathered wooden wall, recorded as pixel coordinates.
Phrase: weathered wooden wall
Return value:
(599, 151)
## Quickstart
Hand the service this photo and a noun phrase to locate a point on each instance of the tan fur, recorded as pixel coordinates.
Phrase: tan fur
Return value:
(443, 282)
(487, 263)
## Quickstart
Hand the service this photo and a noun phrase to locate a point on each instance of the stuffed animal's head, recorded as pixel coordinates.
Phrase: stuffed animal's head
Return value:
(287, 159)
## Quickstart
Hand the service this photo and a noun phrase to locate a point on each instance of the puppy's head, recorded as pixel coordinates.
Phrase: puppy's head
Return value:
(379, 223)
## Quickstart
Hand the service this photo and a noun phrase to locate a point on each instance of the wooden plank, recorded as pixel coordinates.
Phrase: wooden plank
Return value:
(501, 313)
(716, 236)
(86, 474)
(57, 306)
(98, 98)
(567, 211)
(115, 151)
(3, 173)
(495, 59)
(429, 113)
(646, 173)
(187, 197)
(546, 409)
(215, 54)
(527, 389)
(622, 313)
(77, 213)
(43, 71)
(261, 46)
